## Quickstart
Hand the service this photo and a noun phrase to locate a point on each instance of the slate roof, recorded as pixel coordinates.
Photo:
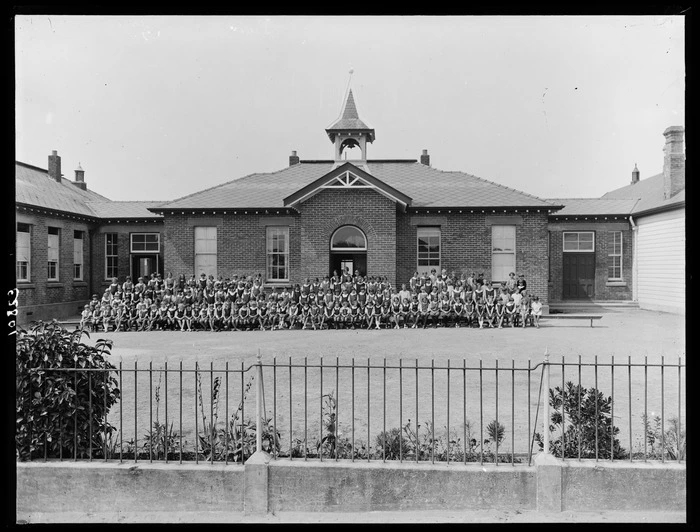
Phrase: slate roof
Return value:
(34, 187)
(350, 120)
(649, 192)
(594, 206)
(427, 186)
(124, 209)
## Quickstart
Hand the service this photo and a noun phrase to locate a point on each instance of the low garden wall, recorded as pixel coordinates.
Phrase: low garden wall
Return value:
(263, 486)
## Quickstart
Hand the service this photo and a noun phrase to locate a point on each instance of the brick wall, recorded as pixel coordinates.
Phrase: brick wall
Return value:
(123, 231)
(466, 244)
(323, 213)
(39, 291)
(241, 243)
(604, 290)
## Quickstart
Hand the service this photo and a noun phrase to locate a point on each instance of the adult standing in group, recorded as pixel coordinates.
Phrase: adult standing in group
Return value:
(511, 283)
(521, 285)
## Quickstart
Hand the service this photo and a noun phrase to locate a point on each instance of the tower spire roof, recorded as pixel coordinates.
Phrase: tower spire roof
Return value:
(350, 121)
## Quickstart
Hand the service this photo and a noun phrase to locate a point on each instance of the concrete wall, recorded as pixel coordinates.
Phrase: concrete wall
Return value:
(547, 485)
(55, 487)
(352, 487)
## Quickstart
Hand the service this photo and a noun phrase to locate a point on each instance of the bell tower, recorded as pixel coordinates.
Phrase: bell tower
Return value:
(349, 131)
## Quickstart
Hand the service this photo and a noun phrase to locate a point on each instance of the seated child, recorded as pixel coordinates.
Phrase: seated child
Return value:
(536, 311)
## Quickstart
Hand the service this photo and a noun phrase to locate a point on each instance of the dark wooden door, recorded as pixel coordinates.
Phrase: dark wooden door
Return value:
(579, 275)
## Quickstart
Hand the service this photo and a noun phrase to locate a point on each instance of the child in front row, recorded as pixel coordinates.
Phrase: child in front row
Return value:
(536, 311)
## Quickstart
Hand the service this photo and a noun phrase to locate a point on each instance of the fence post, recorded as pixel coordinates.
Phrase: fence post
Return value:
(545, 399)
(547, 467)
(257, 466)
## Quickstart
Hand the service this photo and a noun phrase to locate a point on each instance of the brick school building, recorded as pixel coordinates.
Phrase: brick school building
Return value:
(381, 218)
(384, 218)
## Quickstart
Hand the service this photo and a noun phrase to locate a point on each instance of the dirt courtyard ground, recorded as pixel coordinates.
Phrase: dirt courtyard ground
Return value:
(626, 333)
(632, 332)
(629, 335)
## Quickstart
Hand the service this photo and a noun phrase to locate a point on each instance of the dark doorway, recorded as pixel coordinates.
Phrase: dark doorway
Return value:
(579, 276)
(354, 262)
(143, 265)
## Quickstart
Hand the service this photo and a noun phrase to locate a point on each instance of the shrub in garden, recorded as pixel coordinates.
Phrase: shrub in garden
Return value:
(582, 424)
(62, 413)
(670, 444)
(236, 440)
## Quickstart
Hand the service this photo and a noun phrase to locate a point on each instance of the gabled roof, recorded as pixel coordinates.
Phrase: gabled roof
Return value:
(650, 193)
(424, 185)
(594, 206)
(350, 121)
(350, 176)
(33, 186)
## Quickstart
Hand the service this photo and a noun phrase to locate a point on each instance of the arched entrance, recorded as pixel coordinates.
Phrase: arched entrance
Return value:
(348, 249)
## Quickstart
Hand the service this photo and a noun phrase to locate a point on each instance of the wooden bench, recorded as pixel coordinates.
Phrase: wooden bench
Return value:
(571, 317)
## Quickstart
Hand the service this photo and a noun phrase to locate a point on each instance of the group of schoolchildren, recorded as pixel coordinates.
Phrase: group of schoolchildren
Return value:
(341, 301)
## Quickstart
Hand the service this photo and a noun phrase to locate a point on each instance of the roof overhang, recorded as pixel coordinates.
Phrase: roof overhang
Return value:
(659, 209)
(347, 176)
(368, 132)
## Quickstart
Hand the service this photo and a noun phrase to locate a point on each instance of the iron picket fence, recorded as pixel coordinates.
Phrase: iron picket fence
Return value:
(378, 410)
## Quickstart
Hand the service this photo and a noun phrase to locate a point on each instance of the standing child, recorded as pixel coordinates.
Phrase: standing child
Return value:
(524, 310)
(85, 317)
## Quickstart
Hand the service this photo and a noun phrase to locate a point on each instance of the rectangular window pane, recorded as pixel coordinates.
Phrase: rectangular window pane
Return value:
(428, 248)
(205, 250)
(77, 255)
(582, 241)
(145, 242)
(503, 252)
(53, 253)
(23, 252)
(615, 255)
(277, 253)
(111, 255)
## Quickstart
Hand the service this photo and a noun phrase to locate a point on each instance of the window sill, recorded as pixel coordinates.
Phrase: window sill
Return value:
(616, 283)
(54, 284)
(79, 282)
(24, 285)
(277, 284)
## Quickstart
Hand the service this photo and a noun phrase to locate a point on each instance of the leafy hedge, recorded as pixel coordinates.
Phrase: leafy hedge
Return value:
(61, 412)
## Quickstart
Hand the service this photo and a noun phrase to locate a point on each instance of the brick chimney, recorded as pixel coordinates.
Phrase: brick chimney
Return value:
(55, 166)
(635, 175)
(80, 178)
(674, 161)
(425, 158)
(293, 158)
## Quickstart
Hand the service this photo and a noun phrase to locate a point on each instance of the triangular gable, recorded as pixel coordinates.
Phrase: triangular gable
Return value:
(347, 176)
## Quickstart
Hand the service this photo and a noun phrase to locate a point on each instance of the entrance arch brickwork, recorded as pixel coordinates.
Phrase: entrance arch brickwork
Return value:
(323, 213)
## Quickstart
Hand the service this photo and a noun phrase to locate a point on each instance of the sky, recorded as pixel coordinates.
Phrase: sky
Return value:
(154, 108)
